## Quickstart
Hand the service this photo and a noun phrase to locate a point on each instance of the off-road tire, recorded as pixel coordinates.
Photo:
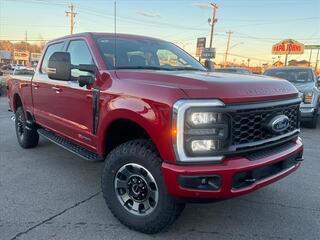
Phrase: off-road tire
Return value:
(144, 153)
(27, 135)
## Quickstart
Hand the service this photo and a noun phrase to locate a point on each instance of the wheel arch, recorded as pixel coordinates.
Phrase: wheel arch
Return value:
(132, 126)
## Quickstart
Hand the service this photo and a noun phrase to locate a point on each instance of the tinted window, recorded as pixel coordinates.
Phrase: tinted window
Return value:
(145, 54)
(80, 54)
(57, 47)
(23, 71)
(292, 75)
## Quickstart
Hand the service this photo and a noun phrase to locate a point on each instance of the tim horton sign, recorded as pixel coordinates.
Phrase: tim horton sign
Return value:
(288, 46)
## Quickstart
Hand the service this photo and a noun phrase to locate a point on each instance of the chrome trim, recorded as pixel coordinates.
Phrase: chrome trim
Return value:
(178, 121)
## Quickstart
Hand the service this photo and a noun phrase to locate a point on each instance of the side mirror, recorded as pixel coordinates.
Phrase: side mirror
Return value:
(59, 66)
(208, 65)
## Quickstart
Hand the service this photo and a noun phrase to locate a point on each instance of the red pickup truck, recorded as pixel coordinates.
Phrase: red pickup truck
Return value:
(170, 131)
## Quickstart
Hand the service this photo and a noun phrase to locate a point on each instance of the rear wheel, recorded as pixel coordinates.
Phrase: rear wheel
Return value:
(134, 190)
(27, 135)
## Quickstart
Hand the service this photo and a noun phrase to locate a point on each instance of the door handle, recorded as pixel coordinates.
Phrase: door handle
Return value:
(57, 89)
(35, 85)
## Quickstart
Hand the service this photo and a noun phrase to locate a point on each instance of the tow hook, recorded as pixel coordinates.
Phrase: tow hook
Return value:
(299, 159)
(250, 180)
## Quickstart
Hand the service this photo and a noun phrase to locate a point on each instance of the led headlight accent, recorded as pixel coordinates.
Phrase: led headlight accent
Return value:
(308, 97)
(203, 118)
(202, 145)
(200, 130)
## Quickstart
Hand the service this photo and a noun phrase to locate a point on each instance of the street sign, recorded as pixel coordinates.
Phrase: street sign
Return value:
(208, 53)
(311, 46)
(201, 44)
(288, 46)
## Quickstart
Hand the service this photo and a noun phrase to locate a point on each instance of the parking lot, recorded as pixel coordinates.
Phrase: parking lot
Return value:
(49, 193)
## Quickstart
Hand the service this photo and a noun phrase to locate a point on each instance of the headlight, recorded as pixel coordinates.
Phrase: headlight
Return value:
(201, 130)
(307, 97)
(203, 118)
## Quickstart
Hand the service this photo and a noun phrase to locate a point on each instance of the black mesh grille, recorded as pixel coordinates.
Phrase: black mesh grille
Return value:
(249, 126)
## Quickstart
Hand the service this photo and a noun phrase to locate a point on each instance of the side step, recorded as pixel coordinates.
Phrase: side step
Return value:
(70, 146)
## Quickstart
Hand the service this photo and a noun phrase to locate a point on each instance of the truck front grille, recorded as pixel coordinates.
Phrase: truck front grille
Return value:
(249, 126)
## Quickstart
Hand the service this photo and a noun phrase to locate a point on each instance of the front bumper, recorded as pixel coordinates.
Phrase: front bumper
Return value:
(306, 113)
(228, 169)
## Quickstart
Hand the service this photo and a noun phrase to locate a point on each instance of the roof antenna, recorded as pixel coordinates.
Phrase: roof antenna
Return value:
(115, 34)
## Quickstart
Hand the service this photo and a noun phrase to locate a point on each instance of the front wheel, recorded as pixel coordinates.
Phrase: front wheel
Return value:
(134, 189)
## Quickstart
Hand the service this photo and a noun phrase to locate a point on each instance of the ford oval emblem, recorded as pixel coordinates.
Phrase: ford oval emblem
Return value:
(279, 123)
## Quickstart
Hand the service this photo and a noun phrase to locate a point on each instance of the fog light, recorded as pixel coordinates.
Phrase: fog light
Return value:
(203, 145)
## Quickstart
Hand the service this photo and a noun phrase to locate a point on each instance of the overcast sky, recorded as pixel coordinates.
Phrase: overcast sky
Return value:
(257, 24)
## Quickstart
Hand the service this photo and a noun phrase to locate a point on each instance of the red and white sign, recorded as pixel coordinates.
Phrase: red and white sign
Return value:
(288, 46)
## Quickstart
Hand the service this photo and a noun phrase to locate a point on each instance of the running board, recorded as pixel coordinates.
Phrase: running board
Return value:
(70, 146)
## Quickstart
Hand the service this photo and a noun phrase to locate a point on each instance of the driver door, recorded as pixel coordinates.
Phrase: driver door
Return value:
(74, 103)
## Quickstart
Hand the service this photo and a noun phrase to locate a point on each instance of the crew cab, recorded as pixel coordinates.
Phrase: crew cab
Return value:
(169, 131)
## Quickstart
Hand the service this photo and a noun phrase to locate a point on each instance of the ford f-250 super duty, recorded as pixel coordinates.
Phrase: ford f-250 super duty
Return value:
(169, 131)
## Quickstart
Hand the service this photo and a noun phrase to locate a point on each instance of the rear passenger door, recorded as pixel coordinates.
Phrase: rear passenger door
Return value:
(43, 94)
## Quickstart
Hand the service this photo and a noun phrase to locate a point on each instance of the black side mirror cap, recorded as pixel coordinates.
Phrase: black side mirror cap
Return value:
(59, 66)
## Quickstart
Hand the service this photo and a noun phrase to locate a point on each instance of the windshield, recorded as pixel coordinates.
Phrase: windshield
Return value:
(292, 75)
(145, 54)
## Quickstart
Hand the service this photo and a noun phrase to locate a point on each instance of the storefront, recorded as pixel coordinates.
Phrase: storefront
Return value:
(5, 57)
(20, 57)
(34, 59)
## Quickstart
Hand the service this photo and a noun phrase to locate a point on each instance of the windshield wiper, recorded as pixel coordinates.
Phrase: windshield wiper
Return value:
(187, 68)
(144, 67)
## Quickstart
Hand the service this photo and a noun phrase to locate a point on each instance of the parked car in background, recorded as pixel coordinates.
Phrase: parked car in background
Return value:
(306, 81)
(233, 70)
(23, 73)
(6, 67)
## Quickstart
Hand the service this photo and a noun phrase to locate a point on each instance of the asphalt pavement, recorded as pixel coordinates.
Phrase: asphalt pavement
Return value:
(49, 193)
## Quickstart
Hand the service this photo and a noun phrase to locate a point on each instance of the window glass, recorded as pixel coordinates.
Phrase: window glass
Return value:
(167, 57)
(292, 75)
(80, 54)
(56, 47)
(125, 53)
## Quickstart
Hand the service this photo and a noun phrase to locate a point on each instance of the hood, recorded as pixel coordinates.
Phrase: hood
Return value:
(230, 88)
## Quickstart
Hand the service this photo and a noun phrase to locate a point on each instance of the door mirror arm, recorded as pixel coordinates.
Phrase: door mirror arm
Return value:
(85, 80)
(91, 68)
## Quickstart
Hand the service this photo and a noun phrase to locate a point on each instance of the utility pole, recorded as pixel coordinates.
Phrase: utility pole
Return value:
(72, 14)
(213, 21)
(227, 49)
(316, 65)
(26, 40)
